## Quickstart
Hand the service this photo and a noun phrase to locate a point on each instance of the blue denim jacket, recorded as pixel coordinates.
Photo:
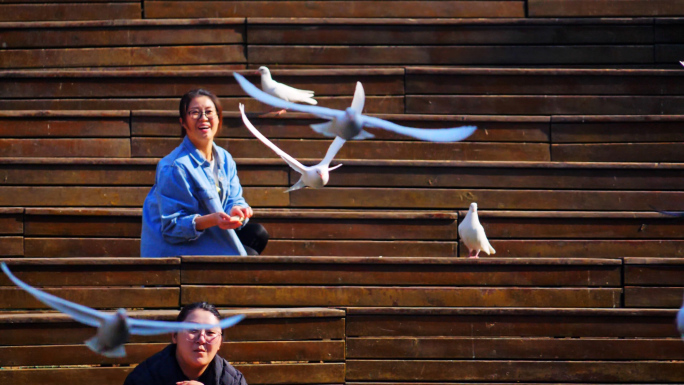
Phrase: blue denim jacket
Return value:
(185, 189)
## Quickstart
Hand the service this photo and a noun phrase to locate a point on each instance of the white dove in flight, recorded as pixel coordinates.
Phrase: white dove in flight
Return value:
(473, 235)
(348, 124)
(283, 91)
(113, 330)
(314, 176)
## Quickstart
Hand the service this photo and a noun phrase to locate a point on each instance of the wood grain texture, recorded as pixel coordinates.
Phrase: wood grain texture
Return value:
(106, 148)
(11, 246)
(56, 11)
(97, 297)
(550, 248)
(356, 247)
(654, 297)
(605, 8)
(61, 127)
(618, 152)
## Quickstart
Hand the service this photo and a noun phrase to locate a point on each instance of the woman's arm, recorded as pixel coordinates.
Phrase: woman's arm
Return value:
(178, 207)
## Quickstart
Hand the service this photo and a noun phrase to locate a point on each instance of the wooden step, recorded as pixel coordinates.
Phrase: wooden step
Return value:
(654, 282)
(604, 8)
(58, 10)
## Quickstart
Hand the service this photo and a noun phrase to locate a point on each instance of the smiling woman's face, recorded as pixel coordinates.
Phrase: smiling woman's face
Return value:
(197, 349)
(201, 128)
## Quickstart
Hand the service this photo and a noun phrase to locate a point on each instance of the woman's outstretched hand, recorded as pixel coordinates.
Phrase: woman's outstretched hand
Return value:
(222, 220)
(242, 212)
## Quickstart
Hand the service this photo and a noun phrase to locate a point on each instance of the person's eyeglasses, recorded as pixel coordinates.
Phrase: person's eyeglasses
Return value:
(209, 335)
(197, 114)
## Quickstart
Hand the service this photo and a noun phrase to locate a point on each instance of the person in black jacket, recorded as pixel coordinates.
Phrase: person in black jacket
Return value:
(191, 359)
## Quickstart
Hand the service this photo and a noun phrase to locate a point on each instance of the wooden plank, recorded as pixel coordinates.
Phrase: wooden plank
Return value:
(115, 148)
(114, 196)
(102, 272)
(229, 295)
(668, 53)
(418, 32)
(97, 297)
(532, 81)
(377, 198)
(93, 11)
(119, 33)
(577, 226)
(243, 148)
(328, 373)
(374, 104)
(618, 152)
(545, 104)
(35, 332)
(667, 30)
(586, 248)
(60, 127)
(360, 9)
(137, 83)
(124, 56)
(83, 226)
(356, 247)
(512, 323)
(389, 271)
(617, 129)
(604, 8)
(569, 371)
(482, 348)
(296, 126)
(657, 297)
(233, 351)
(81, 247)
(11, 246)
(12, 223)
(450, 55)
(655, 274)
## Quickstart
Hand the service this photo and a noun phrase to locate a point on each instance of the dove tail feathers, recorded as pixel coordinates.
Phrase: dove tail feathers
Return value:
(299, 185)
(323, 128)
(363, 134)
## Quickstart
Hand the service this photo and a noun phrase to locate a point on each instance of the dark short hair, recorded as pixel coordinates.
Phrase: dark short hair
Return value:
(190, 96)
(187, 309)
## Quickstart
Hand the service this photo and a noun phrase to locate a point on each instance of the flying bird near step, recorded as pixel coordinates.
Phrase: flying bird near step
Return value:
(473, 235)
(283, 91)
(312, 176)
(113, 330)
(348, 124)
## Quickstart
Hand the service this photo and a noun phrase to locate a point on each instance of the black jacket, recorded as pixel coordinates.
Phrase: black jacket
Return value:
(163, 369)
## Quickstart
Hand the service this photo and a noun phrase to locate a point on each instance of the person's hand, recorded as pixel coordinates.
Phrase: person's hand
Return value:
(243, 212)
(191, 382)
(227, 222)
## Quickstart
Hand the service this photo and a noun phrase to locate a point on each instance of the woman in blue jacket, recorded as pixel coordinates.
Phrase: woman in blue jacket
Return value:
(196, 203)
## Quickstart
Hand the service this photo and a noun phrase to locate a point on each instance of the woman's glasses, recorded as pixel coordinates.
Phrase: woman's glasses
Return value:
(209, 335)
(197, 114)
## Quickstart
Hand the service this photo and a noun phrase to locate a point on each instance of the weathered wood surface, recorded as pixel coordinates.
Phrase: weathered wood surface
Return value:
(605, 8)
(12, 221)
(295, 125)
(135, 353)
(44, 247)
(253, 295)
(83, 11)
(618, 152)
(374, 104)
(488, 199)
(42, 124)
(669, 29)
(293, 373)
(106, 148)
(533, 371)
(114, 196)
(654, 297)
(668, 53)
(393, 271)
(95, 272)
(544, 104)
(451, 55)
(98, 297)
(654, 271)
(124, 56)
(11, 246)
(418, 32)
(261, 325)
(507, 348)
(550, 248)
(119, 33)
(578, 225)
(334, 9)
(510, 322)
(356, 247)
(532, 81)
(617, 129)
(409, 150)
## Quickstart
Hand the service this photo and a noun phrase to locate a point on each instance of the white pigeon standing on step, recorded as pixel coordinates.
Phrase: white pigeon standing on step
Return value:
(282, 91)
(314, 176)
(348, 124)
(473, 235)
(113, 330)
